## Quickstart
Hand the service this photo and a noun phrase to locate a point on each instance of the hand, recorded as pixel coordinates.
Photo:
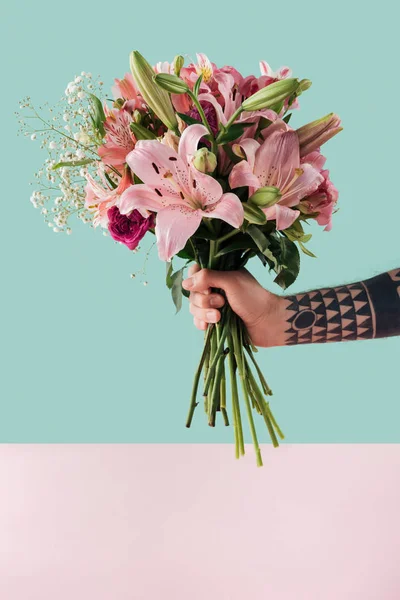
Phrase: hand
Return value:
(261, 311)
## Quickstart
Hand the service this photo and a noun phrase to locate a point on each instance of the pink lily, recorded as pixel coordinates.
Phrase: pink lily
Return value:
(119, 137)
(276, 162)
(179, 193)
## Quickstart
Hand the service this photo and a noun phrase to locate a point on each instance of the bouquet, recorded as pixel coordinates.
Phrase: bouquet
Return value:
(205, 159)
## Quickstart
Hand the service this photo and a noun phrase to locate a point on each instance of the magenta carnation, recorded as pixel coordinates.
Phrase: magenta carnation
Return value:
(128, 229)
(210, 114)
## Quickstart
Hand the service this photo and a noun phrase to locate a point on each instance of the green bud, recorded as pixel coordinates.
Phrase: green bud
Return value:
(171, 83)
(157, 98)
(304, 84)
(271, 95)
(177, 64)
(205, 161)
(137, 116)
(253, 214)
(118, 103)
(265, 196)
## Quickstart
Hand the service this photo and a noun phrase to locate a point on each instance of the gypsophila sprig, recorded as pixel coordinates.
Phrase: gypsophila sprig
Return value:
(203, 159)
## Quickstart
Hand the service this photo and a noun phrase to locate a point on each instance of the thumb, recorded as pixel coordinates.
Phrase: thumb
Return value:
(206, 278)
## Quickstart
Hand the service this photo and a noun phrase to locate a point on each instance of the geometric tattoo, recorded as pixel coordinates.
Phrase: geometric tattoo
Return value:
(358, 311)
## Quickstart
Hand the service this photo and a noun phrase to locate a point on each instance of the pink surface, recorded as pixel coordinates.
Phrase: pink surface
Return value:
(178, 522)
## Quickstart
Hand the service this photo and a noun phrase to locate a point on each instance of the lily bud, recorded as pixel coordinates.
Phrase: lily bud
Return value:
(137, 116)
(171, 83)
(271, 95)
(118, 103)
(304, 85)
(313, 135)
(253, 214)
(205, 161)
(266, 196)
(157, 98)
(177, 64)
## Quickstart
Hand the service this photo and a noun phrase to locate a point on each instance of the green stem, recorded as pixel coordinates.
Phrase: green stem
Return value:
(274, 423)
(238, 349)
(218, 353)
(225, 237)
(193, 402)
(215, 394)
(204, 120)
(231, 121)
(266, 389)
(235, 401)
(211, 255)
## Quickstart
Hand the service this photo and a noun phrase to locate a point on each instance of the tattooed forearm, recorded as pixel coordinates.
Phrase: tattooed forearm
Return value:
(358, 311)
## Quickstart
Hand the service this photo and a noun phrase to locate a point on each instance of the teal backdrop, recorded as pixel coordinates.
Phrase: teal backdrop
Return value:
(90, 355)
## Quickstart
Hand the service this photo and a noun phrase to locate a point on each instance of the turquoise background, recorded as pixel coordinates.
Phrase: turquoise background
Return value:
(89, 355)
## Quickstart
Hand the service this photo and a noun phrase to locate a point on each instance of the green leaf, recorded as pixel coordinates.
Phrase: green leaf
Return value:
(168, 276)
(306, 250)
(176, 288)
(289, 263)
(306, 238)
(186, 253)
(204, 233)
(73, 163)
(110, 181)
(287, 118)
(98, 117)
(187, 119)
(234, 131)
(197, 86)
(262, 242)
(241, 242)
(141, 133)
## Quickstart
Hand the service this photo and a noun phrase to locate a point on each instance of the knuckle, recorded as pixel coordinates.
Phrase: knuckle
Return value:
(202, 277)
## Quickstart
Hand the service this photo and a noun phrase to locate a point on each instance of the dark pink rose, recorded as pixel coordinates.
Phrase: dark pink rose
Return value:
(128, 229)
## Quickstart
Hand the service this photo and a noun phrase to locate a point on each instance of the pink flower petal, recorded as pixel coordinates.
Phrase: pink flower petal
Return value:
(284, 72)
(211, 99)
(190, 140)
(316, 159)
(303, 186)
(228, 208)
(283, 216)
(203, 188)
(249, 147)
(139, 196)
(225, 83)
(174, 226)
(160, 166)
(265, 69)
(277, 158)
(242, 175)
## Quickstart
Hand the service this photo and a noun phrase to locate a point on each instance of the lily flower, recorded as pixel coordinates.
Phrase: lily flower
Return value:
(276, 162)
(179, 193)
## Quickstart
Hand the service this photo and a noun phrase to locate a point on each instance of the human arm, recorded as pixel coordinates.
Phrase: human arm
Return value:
(363, 310)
